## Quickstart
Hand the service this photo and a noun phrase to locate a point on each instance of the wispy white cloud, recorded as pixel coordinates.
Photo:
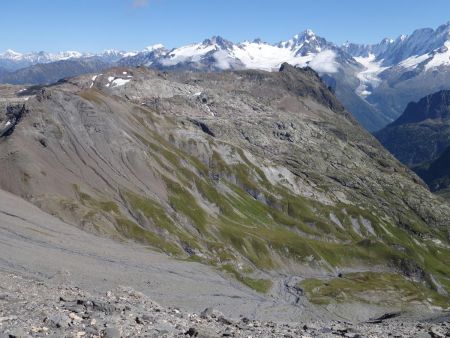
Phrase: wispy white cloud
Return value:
(325, 62)
(140, 3)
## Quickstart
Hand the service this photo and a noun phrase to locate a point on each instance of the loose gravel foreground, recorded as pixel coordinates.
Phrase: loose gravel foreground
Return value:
(30, 308)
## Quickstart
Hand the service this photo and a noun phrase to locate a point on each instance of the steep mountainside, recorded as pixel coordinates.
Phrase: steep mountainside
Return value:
(422, 132)
(262, 175)
(39, 246)
(436, 173)
(435, 107)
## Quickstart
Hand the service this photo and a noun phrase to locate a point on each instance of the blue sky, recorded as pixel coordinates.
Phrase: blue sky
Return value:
(95, 25)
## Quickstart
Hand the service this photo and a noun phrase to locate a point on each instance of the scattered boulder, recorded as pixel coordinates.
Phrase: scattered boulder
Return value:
(210, 313)
(111, 332)
(58, 321)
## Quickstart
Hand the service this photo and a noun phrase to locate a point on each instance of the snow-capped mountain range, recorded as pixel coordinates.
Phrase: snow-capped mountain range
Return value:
(421, 42)
(375, 82)
(217, 53)
(12, 60)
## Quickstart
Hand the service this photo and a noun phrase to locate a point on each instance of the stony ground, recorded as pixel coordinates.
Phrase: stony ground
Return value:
(29, 308)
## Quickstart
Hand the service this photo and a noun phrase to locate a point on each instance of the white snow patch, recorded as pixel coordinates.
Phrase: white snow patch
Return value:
(254, 55)
(129, 54)
(262, 56)
(191, 53)
(124, 73)
(440, 59)
(12, 55)
(269, 57)
(413, 61)
(93, 80)
(153, 47)
(8, 124)
(110, 78)
(120, 82)
(197, 94)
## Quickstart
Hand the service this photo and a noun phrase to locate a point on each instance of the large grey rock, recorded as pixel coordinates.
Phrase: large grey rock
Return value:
(58, 320)
(112, 332)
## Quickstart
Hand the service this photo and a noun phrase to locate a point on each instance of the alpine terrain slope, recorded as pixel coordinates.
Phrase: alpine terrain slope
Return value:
(422, 132)
(258, 178)
(420, 138)
(374, 82)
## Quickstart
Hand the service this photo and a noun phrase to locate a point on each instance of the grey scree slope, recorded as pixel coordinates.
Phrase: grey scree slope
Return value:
(35, 244)
(40, 247)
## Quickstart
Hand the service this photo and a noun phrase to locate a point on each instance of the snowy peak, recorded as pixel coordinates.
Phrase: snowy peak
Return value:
(12, 60)
(146, 57)
(422, 42)
(430, 46)
(258, 41)
(366, 50)
(218, 53)
(108, 56)
(444, 29)
(305, 43)
(152, 48)
(11, 55)
(218, 42)
(213, 53)
(65, 55)
(37, 57)
(298, 40)
(304, 37)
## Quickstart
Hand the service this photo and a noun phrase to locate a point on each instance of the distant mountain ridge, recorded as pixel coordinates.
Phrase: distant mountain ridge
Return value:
(11, 60)
(375, 82)
(422, 132)
(46, 73)
(393, 51)
(433, 106)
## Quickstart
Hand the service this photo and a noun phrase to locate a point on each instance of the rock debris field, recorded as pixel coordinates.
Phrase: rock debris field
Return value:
(30, 308)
